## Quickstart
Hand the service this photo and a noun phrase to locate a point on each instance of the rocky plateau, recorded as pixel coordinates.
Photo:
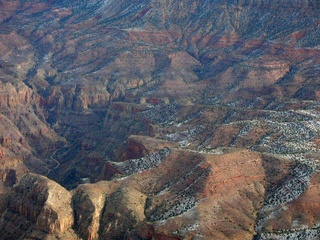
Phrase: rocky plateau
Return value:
(153, 119)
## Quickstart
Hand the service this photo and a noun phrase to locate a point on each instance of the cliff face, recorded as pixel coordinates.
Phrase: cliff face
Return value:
(200, 119)
(25, 135)
(36, 208)
(182, 195)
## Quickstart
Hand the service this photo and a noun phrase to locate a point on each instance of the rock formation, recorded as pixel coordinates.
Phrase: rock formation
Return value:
(187, 195)
(37, 207)
(159, 119)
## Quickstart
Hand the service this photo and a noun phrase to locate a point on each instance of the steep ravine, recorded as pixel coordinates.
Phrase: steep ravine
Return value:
(182, 195)
(159, 119)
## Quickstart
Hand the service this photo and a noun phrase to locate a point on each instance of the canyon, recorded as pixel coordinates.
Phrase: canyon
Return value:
(152, 119)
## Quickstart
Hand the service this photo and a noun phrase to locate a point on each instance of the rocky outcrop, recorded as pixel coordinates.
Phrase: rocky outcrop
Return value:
(37, 204)
(200, 119)
(88, 204)
(146, 53)
(25, 135)
(79, 98)
(187, 194)
(124, 210)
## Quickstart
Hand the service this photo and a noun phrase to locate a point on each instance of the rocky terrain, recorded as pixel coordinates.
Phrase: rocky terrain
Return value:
(151, 119)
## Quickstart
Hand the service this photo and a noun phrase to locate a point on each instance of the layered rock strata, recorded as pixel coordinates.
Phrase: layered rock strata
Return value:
(37, 208)
(200, 119)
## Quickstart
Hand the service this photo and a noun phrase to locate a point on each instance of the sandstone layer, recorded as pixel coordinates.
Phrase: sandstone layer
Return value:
(160, 119)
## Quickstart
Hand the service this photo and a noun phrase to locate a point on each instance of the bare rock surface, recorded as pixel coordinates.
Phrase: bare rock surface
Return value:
(159, 119)
(36, 206)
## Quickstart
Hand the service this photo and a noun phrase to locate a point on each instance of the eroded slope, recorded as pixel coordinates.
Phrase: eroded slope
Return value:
(221, 101)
